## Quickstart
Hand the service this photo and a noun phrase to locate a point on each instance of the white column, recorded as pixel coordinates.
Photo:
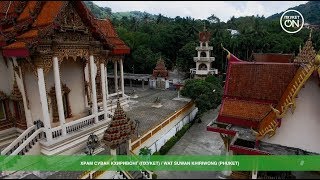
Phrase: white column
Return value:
(44, 104)
(116, 76)
(57, 85)
(94, 91)
(103, 85)
(122, 78)
(24, 98)
(106, 77)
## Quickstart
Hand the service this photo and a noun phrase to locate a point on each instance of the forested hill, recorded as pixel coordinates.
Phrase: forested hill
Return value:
(310, 12)
(174, 39)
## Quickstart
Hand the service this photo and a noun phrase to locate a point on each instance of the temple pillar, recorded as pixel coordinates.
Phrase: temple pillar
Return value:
(116, 76)
(106, 77)
(113, 152)
(94, 91)
(57, 85)
(103, 85)
(142, 83)
(44, 104)
(121, 76)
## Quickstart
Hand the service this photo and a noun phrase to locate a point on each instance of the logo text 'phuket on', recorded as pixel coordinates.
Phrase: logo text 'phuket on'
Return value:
(291, 21)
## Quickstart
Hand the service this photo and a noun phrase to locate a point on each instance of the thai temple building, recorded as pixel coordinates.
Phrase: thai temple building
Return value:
(271, 108)
(203, 60)
(53, 79)
(272, 57)
(160, 76)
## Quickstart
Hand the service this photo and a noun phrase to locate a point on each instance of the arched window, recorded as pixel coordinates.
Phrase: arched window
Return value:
(202, 67)
(203, 54)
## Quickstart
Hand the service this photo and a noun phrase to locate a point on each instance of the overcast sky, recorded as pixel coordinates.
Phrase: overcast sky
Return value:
(202, 9)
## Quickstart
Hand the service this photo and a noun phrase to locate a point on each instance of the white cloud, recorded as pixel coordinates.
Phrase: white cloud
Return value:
(202, 9)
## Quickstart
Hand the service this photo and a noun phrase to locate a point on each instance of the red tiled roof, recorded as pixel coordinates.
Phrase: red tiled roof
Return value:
(272, 57)
(8, 7)
(48, 13)
(250, 89)
(30, 7)
(16, 45)
(29, 34)
(241, 109)
(105, 26)
(263, 81)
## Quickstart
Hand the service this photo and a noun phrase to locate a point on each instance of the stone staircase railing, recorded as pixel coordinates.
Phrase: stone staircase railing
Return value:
(28, 143)
(17, 142)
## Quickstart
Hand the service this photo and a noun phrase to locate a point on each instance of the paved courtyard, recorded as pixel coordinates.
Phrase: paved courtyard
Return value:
(141, 108)
(196, 141)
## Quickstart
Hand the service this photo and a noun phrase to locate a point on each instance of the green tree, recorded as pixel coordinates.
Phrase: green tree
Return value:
(205, 93)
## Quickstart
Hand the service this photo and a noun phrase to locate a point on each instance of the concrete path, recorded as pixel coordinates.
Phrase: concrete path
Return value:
(196, 141)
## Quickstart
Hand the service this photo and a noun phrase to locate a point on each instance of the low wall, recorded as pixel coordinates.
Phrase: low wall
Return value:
(160, 134)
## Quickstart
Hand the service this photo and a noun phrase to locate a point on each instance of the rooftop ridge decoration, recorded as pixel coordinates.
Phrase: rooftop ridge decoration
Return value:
(270, 123)
(120, 130)
(307, 54)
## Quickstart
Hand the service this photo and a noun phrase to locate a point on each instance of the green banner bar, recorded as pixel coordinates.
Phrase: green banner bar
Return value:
(160, 163)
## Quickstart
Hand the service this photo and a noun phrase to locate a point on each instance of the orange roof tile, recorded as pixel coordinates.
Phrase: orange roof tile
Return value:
(263, 81)
(272, 57)
(244, 109)
(30, 7)
(48, 13)
(29, 34)
(106, 27)
(16, 45)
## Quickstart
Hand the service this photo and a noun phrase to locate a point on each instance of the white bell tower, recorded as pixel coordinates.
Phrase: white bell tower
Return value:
(204, 59)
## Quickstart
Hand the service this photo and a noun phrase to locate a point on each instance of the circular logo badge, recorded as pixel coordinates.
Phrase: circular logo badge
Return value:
(291, 21)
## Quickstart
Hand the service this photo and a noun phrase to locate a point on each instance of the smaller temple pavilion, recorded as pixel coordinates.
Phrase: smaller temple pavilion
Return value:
(118, 135)
(160, 76)
(271, 108)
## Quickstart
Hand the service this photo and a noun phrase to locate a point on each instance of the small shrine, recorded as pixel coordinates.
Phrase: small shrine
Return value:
(119, 131)
(160, 76)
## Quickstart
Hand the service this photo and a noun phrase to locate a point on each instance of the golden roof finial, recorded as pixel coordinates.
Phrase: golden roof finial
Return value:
(228, 56)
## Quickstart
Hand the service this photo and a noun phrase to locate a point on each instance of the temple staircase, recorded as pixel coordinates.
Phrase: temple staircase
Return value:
(25, 142)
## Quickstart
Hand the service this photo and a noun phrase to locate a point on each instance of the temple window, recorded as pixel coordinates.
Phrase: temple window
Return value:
(203, 54)
(2, 111)
(202, 67)
(65, 106)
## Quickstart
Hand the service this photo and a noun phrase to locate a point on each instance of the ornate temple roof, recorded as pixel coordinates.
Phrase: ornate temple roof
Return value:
(257, 94)
(37, 19)
(272, 57)
(160, 70)
(307, 54)
(120, 130)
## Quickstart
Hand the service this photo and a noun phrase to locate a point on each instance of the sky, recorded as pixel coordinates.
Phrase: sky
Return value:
(202, 9)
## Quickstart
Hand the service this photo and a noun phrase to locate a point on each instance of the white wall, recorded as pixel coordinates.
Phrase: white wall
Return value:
(302, 129)
(159, 139)
(32, 89)
(72, 75)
